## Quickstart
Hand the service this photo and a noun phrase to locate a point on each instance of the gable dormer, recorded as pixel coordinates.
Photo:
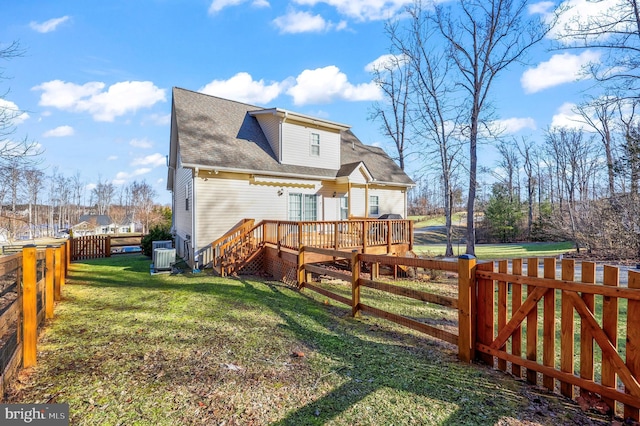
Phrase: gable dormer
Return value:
(301, 140)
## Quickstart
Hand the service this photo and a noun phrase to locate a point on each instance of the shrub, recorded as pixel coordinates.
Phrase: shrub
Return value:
(156, 233)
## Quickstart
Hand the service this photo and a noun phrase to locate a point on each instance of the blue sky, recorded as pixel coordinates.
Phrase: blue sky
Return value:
(95, 79)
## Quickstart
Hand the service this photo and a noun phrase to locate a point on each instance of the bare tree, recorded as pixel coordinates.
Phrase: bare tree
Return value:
(102, 196)
(393, 77)
(484, 38)
(142, 200)
(9, 114)
(615, 30)
(435, 118)
(34, 180)
(598, 114)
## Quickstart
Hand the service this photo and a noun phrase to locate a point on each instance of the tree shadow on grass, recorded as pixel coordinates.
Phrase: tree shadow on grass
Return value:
(428, 379)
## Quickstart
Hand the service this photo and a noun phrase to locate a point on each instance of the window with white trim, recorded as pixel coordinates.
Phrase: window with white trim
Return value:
(314, 147)
(374, 206)
(186, 197)
(344, 207)
(303, 207)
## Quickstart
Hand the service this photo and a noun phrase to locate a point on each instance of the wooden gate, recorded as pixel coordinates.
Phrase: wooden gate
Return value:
(90, 247)
(596, 349)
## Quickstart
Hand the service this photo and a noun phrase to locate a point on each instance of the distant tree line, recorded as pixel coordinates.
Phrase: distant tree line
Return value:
(579, 183)
(34, 203)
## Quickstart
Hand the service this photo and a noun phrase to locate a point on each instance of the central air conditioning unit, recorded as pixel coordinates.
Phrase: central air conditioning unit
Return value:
(159, 244)
(164, 259)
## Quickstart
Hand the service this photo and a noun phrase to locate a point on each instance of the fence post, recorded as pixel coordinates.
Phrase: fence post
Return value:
(29, 308)
(108, 246)
(63, 264)
(57, 276)
(48, 281)
(355, 283)
(466, 288)
(633, 341)
(67, 257)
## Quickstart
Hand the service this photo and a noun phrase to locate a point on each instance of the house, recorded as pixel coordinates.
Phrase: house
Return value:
(97, 224)
(230, 161)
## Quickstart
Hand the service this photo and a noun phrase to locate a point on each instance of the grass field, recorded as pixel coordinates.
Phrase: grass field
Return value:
(130, 348)
(500, 251)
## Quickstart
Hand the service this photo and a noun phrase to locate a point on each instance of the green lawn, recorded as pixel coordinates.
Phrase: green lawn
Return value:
(130, 348)
(500, 251)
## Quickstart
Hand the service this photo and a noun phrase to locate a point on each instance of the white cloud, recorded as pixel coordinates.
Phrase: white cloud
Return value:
(119, 99)
(567, 117)
(560, 69)
(327, 84)
(514, 125)
(217, 5)
(112, 158)
(541, 8)
(59, 132)
(241, 87)
(153, 160)
(304, 22)
(363, 10)
(159, 119)
(387, 61)
(141, 143)
(48, 26)
(580, 13)
(123, 177)
(11, 114)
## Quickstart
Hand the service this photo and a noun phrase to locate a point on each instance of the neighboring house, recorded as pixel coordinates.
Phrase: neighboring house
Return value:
(229, 161)
(98, 224)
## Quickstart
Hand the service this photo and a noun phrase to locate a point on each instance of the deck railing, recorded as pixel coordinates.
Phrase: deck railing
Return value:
(241, 242)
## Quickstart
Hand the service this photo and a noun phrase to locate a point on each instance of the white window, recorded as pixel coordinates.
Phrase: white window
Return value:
(314, 148)
(303, 207)
(374, 209)
(344, 207)
(186, 197)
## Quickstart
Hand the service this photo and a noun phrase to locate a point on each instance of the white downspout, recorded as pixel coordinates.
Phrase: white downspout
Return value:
(194, 234)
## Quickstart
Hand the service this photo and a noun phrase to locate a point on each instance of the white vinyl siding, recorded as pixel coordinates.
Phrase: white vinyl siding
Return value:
(389, 201)
(296, 147)
(222, 202)
(270, 125)
(183, 223)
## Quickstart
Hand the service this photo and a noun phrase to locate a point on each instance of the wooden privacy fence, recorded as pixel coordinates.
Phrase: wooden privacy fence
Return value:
(566, 335)
(100, 246)
(30, 282)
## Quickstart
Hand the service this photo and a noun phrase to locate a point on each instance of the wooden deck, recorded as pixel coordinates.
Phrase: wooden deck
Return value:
(369, 236)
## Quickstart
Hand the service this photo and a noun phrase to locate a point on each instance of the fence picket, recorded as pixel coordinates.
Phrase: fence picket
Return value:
(503, 266)
(549, 324)
(567, 329)
(532, 323)
(586, 337)
(610, 327)
(516, 301)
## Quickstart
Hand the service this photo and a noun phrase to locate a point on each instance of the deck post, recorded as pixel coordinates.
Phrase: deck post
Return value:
(301, 272)
(466, 291)
(29, 306)
(355, 284)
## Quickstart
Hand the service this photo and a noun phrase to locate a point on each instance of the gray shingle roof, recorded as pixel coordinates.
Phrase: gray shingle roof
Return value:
(215, 132)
